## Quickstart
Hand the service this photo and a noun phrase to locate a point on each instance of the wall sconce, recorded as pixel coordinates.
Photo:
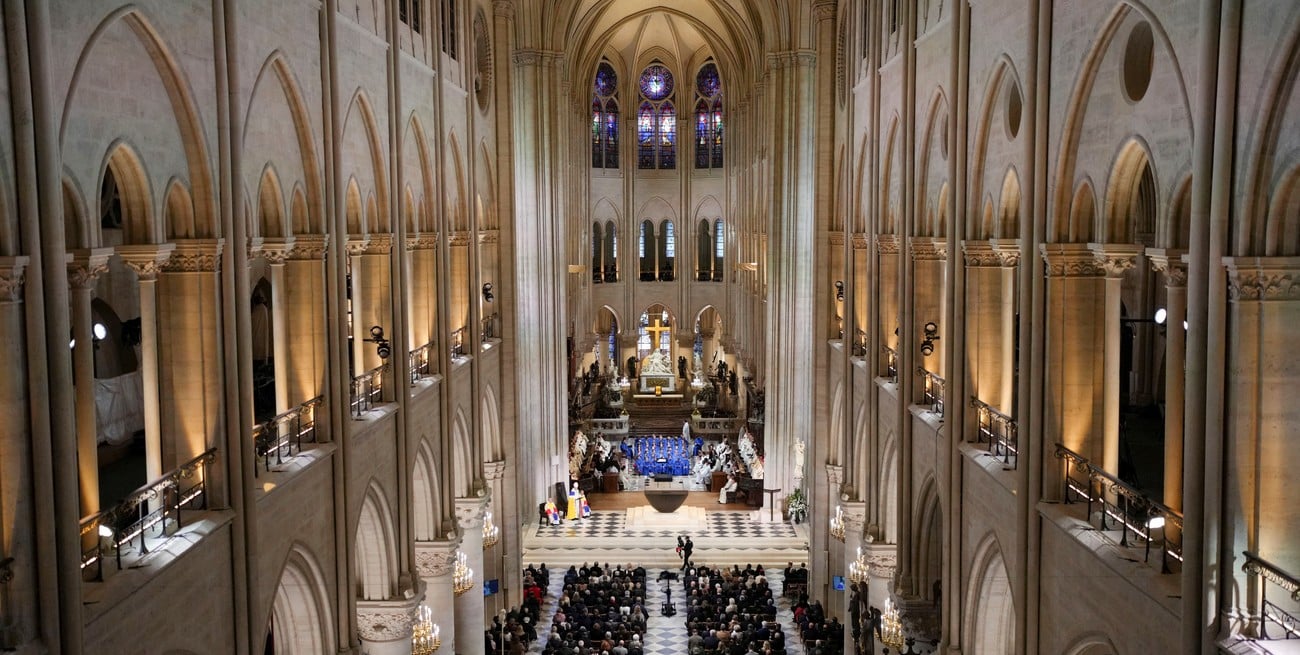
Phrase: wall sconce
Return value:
(487, 292)
(382, 347)
(931, 336)
(839, 290)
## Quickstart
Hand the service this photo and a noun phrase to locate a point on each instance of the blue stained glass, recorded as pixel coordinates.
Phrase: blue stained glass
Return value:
(656, 82)
(606, 80)
(707, 82)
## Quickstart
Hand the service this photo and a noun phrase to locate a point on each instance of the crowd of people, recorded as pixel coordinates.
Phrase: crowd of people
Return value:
(601, 611)
(731, 612)
(512, 636)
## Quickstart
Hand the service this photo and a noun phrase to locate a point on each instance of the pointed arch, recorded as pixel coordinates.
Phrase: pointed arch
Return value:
(989, 624)
(1008, 225)
(76, 226)
(426, 494)
(376, 556)
(270, 202)
(491, 417)
(361, 115)
(1003, 79)
(1083, 215)
(423, 164)
(179, 209)
(276, 66)
(891, 200)
(888, 493)
(838, 438)
(457, 213)
(934, 141)
(1132, 195)
(124, 182)
(927, 538)
(301, 613)
(463, 455)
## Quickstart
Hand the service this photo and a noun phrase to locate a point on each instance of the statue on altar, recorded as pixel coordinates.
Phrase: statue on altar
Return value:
(657, 374)
(656, 363)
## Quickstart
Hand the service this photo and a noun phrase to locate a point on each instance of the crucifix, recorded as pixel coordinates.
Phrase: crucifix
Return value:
(655, 330)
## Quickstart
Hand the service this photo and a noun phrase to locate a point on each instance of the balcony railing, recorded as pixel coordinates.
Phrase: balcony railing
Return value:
(487, 327)
(1121, 507)
(997, 430)
(418, 361)
(367, 389)
(891, 362)
(716, 426)
(1269, 611)
(458, 343)
(859, 342)
(932, 390)
(150, 512)
(282, 436)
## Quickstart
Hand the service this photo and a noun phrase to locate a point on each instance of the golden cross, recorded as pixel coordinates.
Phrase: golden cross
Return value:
(655, 331)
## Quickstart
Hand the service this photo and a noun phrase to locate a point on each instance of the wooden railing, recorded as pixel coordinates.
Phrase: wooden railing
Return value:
(282, 436)
(1122, 507)
(150, 512)
(997, 430)
(367, 389)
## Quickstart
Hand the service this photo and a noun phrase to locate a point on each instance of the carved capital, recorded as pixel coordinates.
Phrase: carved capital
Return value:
(1266, 279)
(146, 260)
(929, 249)
(1115, 258)
(535, 57)
(308, 247)
(1007, 251)
(357, 244)
(254, 249)
(195, 256)
(469, 512)
(1169, 262)
(422, 241)
(979, 254)
(435, 558)
(824, 9)
(861, 242)
(835, 475)
(1069, 260)
(887, 244)
(12, 275)
(882, 565)
(503, 8)
(488, 236)
(854, 516)
(386, 620)
(493, 471)
(837, 238)
(458, 239)
(379, 244)
(276, 250)
(792, 59)
(85, 266)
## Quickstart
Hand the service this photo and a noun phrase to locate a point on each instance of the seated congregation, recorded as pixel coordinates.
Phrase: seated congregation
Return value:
(601, 611)
(520, 627)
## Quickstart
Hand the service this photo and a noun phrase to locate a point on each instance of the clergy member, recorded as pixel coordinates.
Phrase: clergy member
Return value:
(572, 509)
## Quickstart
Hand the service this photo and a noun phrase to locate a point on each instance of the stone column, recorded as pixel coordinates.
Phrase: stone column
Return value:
(371, 301)
(422, 289)
(1072, 409)
(1007, 252)
(434, 561)
(855, 517)
(84, 269)
(469, 605)
(275, 251)
(984, 307)
(1113, 259)
(505, 561)
(191, 374)
(882, 569)
(147, 262)
(929, 255)
(1170, 263)
(385, 625)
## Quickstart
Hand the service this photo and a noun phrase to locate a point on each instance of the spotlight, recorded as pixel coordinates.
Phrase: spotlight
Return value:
(839, 290)
(1161, 315)
(100, 332)
(487, 292)
(1156, 522)
(927, 348)
(382, 347)
(72, 343)
(105, 531)
(931, 336)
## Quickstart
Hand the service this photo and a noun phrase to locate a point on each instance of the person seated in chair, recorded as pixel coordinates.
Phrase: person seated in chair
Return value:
(584, 510)
(552, 512)
(727, 488)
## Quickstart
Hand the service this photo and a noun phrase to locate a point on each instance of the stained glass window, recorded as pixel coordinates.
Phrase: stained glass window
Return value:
(656, 120)
(708, 117)
(604, 118)
(670, 241)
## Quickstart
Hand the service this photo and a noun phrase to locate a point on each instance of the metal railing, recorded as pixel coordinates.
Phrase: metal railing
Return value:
(932, 390)
(282, 436)
(716, 426)
(152, 511)
(891, 362)
(487, 327)
(997, 430)
(367, 389)
(859, 342)
(608, 426)
(419, 362)
(1269, 611)
(1121, 507)
(458, 342)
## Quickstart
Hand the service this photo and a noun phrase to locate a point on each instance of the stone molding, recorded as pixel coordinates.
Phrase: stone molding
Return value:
(792, 59)
(435, 559)
(980, 254)
(861, 242)
(146, 260)
(535, 57)
(488, 236)
(309, 247)
(1007, 250)
(887, 244)
(1069, 260)
(469, 512)
(254, 249)
(824, 9)
(459, 239)
(1265, 279)
(12, 276)
(386, 620)
(854, 516)
(835, 476)
(356, 244)
(1169, 262)
(1115, 258)
(493, 471)
(276, 250)
(837, 238)
(882, 565)
(195, 256)
(379, 244)
(422, 241)
(931, 249)
(503, 8)
(85, 266)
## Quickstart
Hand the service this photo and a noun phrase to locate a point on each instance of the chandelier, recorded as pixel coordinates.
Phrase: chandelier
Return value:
(858, 568)
(837, 524)
(491, 533)
(424, 637)
(891, 627)
(462, 578)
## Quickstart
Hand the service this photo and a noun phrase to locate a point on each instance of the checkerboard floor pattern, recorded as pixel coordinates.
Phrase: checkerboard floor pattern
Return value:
(667, 635)
(601, 525)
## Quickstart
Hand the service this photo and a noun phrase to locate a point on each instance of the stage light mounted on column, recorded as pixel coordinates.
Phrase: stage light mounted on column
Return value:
(382, 347)
(487, 292)
(839, 290)
(1161, 315)
(931, 336)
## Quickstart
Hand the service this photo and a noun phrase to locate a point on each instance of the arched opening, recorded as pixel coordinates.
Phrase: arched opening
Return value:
(125, 212)
(610, 252)
(375, 559)
(990, 626)
(1009, 214)
(1282, 231)
(719, 249)
(646, 251)
(263, 348)
(654, 332)
(597, 254)
(929, 545)
(704, 251)
(667, 251)
(889, 490)
(269, 203)
(425, 495)
(300, 621)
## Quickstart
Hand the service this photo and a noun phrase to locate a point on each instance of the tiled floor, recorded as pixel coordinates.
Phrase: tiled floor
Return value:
(602, 525)
(666, 635)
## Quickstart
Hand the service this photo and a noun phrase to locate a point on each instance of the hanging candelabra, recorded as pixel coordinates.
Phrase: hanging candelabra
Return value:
(891, 627)
(425, 638)
(837, 524)
(491, 533)
(462, 578)
(858, 568)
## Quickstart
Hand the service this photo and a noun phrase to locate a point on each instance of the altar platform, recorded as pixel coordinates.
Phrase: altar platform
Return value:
(644, 400)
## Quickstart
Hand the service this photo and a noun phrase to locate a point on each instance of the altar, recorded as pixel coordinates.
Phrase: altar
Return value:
(657, 375)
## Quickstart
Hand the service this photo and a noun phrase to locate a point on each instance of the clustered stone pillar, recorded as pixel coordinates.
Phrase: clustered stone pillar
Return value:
(83, 270)
(1114, 260)
(1073, 401)
(435, 561)
(470, 622)
(385, 625)
(1170, 263)
(501, 566)
(855, 517)
(147, 261)
(882, 567)
(305, 322)
(275, 252)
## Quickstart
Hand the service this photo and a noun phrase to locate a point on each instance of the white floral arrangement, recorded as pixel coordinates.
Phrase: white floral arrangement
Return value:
(797, 503)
